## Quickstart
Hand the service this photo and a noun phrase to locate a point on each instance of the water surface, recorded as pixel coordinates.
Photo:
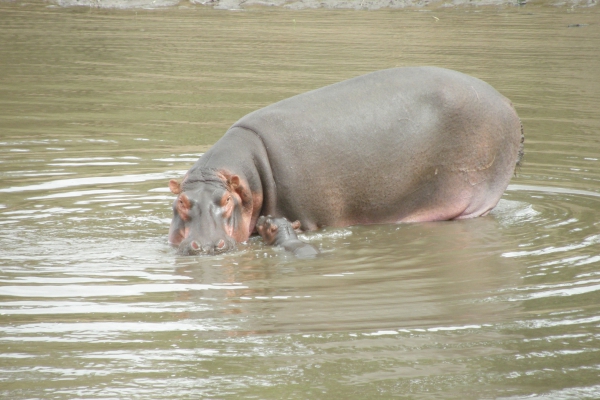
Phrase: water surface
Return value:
(100, 108)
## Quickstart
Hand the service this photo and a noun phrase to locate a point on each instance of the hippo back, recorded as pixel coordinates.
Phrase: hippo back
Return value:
(389, 146)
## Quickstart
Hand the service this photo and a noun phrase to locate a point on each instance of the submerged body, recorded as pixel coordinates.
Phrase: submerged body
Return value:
(398, 145)
(281, 232)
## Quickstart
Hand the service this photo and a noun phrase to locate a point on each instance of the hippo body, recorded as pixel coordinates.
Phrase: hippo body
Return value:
(281, 232)
(398, 145)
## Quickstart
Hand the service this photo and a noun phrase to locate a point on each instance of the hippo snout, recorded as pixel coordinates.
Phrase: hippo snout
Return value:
(196, 247)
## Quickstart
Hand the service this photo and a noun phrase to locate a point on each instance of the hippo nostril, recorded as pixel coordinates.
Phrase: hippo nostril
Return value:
(198, 247)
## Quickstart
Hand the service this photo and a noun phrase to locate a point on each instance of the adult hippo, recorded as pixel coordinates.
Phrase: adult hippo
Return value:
(398, 145)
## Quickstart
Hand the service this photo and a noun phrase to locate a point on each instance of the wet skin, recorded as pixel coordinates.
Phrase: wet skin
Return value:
(281, 232)
(398, 145)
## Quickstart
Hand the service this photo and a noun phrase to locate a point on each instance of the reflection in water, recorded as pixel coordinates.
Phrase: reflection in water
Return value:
(101, 108)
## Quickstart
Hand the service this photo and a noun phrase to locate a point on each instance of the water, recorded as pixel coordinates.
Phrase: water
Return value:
(100, 108)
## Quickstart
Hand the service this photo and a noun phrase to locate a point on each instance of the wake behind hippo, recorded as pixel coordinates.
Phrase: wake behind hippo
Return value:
(281, 232)
(392, 146)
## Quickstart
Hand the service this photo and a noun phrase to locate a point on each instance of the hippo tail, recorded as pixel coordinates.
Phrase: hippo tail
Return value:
(521, 149)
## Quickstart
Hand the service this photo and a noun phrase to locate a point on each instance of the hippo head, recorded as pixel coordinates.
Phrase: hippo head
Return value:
(267, 229)
(212, 211)
(276, 230)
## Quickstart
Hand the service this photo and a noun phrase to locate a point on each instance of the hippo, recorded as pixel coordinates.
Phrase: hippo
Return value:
(280, 232)
(400, 145)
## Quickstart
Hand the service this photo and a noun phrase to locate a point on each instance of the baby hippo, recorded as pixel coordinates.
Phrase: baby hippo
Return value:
(280, 232)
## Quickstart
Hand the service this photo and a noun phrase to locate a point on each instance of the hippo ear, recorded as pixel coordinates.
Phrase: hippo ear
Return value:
(233, 181)
(296, 225)
(237, 185)
(174, 186)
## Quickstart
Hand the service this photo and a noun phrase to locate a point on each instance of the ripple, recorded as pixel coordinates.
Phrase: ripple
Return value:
(588, 241)
(43, 213)
(99, 180)
(81, 307)
(58, 291)
(102, 328)
(89, 164)
(75, 194)
(551, 190)
(570, 393)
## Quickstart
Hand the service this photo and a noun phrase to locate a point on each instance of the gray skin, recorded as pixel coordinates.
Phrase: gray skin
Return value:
(398, 145)
(281, 232)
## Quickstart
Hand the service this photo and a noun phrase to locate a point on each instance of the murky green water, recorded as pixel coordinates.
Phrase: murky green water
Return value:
(99, 109)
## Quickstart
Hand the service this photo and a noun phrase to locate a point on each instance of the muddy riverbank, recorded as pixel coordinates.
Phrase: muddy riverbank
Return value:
(325, 4)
